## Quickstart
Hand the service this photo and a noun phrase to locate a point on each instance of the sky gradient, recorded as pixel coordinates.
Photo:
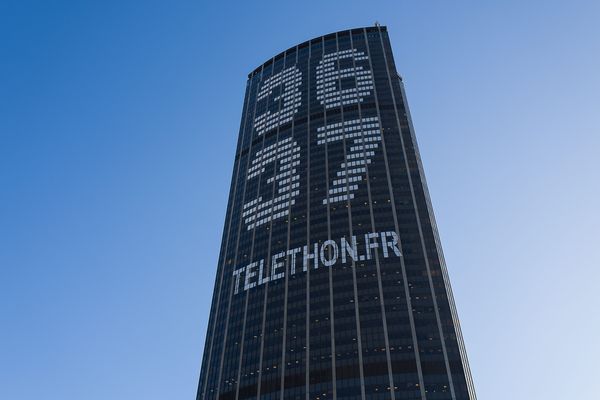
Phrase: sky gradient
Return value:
(118, 125)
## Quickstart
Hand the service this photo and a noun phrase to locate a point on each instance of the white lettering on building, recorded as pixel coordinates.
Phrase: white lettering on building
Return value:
(326, 254)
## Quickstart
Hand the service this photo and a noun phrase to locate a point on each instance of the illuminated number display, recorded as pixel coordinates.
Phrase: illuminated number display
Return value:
(336, 87)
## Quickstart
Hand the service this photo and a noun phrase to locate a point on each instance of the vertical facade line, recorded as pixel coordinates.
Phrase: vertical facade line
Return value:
(268, 263)
(423, 246)
(377, 264)
(402, 262)
(221, 270)
(351, 234)
(247, 294)
(307, 316)
(452, 303)
(287, 270)
(331, 316)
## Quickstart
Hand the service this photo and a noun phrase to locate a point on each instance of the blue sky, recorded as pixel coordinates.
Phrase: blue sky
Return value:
(118, 122)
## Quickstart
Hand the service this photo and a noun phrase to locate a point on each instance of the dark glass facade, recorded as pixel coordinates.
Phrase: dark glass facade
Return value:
(331, 281)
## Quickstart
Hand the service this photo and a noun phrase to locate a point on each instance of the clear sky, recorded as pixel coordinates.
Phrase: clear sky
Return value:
(118, 122)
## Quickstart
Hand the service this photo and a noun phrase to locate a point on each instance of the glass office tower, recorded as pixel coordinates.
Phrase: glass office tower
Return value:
(331, 281)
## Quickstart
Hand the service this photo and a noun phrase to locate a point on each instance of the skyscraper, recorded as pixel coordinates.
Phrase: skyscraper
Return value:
(331, 281)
